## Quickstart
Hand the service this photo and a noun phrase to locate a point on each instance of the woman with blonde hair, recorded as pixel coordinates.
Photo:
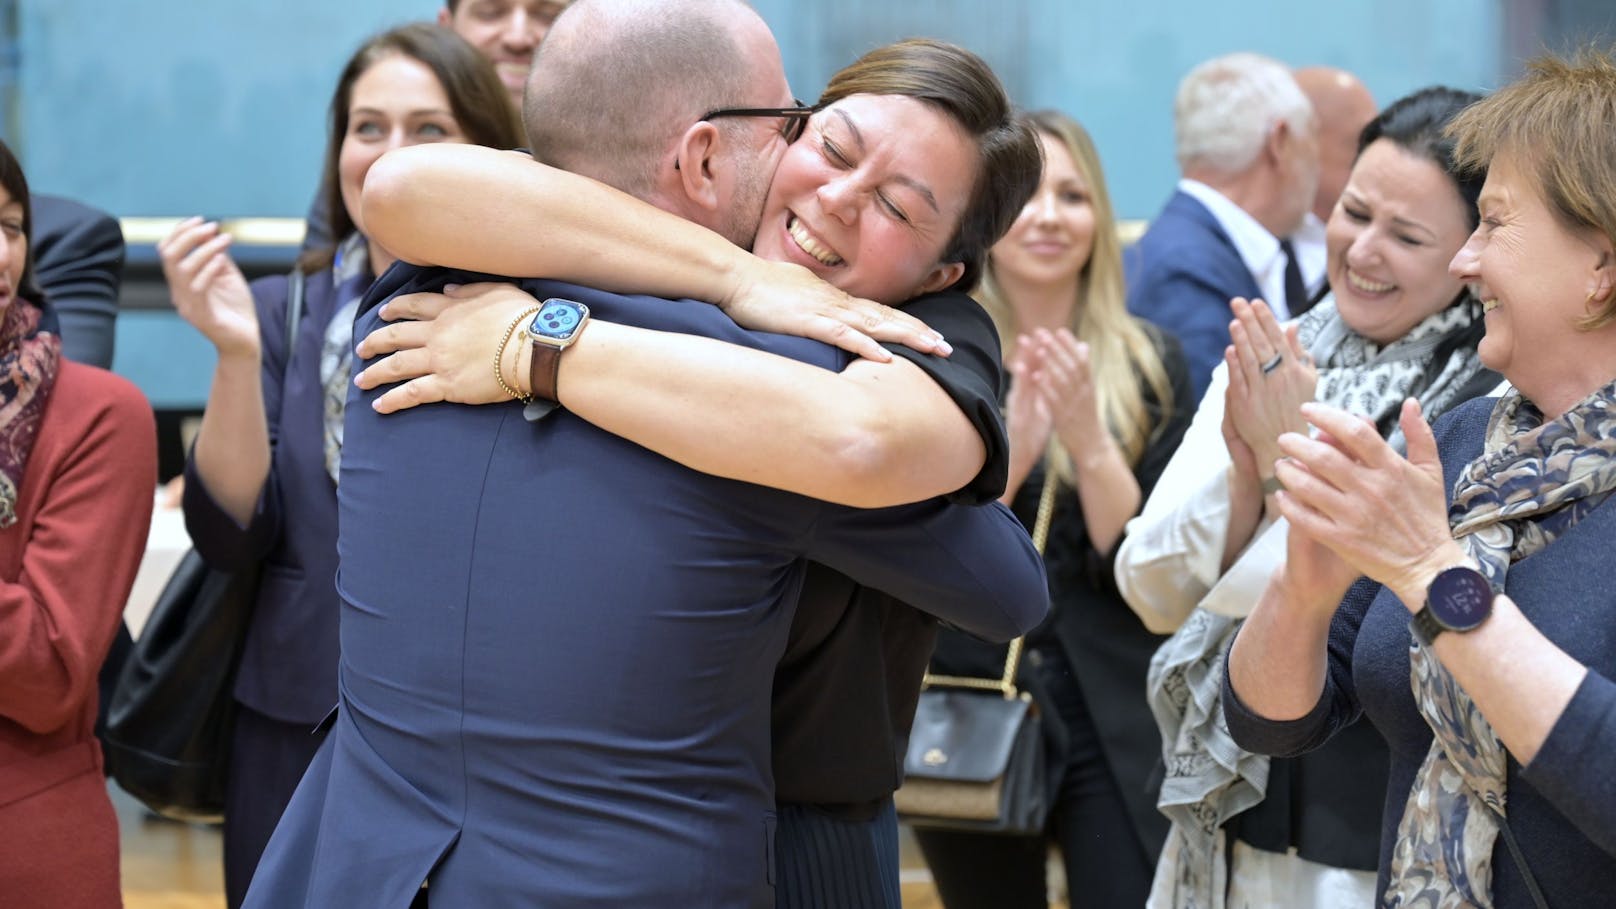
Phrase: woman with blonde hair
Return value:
(1098, 402)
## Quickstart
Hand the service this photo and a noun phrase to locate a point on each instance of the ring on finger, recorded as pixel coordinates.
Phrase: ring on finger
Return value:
(1273, 364)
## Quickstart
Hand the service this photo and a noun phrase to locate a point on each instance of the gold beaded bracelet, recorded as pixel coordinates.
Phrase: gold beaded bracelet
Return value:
(499, 354)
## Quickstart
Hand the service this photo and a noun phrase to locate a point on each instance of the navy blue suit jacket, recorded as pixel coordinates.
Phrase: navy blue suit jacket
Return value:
(1181, 275)
(289, 661)
(557, 649)
(78, 263)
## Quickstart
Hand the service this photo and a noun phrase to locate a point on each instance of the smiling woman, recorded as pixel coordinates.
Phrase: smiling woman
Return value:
(1395, 325)
(1478, 641)
(911, 169)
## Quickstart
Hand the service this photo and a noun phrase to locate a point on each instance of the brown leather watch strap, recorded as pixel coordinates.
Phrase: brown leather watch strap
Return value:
(542, 371)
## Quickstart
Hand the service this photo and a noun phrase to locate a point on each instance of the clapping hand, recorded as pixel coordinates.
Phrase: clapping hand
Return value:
(1270, 378)
(208, 290)
(1028, 418)
(1065, 382)
(1383, 515)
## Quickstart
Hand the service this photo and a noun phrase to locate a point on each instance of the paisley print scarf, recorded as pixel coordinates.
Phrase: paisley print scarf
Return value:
(1534, 481)
(30, 353)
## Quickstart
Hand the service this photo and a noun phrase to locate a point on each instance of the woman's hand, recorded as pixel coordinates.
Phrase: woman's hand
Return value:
(1382, 514)
(791, 300)
(442, 346)
(1262, 404)
(1066, 384)
(1028, 419)
(208, 290)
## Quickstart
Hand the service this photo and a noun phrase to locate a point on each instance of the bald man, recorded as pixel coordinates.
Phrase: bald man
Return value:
(1343, 106)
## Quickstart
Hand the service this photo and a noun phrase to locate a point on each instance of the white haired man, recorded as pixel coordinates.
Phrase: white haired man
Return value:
(1247, 148)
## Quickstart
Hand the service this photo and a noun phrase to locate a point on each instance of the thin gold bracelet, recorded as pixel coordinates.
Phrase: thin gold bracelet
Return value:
(499, 354)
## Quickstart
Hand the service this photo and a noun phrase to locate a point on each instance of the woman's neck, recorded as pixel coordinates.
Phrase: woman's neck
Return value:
(1049, 305)
(380, 259)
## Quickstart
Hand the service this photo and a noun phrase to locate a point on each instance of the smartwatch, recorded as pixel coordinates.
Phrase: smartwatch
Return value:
(1459, 599)
(553, 329)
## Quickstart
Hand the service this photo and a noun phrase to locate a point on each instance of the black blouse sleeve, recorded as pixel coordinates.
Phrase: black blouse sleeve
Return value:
(973, 376)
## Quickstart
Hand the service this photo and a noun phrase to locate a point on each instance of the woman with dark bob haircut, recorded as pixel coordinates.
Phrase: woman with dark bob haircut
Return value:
(843, 204)
(261, 479)
(78, 464)
(1479, 640)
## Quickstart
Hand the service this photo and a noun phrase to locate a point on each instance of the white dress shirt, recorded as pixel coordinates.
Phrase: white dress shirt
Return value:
(1308, 241)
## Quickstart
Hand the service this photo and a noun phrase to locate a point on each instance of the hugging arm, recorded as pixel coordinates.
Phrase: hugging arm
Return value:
(502, 213)
(871, 434)
(972, 567)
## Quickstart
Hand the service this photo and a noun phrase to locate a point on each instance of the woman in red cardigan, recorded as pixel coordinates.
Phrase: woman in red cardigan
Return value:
(78, 466)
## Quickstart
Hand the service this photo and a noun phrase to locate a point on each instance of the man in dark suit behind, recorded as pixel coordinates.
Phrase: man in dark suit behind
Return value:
(557, 646)
(78, 262)
(1248, 152)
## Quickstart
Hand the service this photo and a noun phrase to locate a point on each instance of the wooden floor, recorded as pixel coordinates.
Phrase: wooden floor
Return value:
(169, 865)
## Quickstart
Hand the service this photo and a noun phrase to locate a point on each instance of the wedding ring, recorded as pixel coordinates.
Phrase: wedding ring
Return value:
(1273, 364)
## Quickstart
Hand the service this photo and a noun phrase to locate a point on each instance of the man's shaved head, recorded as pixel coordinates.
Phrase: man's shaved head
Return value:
(617, 81)
(1343, 107)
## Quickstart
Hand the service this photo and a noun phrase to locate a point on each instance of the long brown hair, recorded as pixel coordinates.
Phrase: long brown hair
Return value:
(478, 99)
(1122, 349)
(960, 84)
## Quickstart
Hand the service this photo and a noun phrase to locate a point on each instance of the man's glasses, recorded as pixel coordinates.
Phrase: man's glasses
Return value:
(796, 117)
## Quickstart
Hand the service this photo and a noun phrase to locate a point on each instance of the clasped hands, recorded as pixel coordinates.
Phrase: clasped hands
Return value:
(1355, 505)
(1052, 392)
(440, 347)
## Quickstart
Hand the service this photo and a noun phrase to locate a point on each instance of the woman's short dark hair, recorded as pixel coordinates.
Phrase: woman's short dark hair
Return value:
(1418, 123)
(16, 186)
(477, 98)
(958, 82)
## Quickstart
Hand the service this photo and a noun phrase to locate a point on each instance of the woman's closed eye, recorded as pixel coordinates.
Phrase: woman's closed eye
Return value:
(833, 152)
(892, 208)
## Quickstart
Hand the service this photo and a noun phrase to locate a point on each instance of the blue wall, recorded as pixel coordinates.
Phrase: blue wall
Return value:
(164, 107)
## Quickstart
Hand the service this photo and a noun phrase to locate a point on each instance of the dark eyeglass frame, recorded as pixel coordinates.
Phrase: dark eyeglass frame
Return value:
(796, 117)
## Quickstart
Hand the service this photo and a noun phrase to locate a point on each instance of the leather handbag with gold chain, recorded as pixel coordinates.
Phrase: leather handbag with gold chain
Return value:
(976, 755)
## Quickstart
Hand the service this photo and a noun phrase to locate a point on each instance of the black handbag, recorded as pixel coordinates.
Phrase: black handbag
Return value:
(976, 759)
(170, 720)
(171, 717)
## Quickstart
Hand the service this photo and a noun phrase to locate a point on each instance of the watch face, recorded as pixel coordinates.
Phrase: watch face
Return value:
(558, 319)
(1460, 598)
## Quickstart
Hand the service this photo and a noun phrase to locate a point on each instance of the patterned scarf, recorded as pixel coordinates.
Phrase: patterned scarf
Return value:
(1534, 481)
(350, 275)
(1208, 778)
(1435, 362)
(30, 352)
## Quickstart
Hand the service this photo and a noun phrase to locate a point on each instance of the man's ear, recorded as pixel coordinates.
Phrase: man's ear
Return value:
(445, 18)
(942, 275)
(695, 162)
(1277, 146)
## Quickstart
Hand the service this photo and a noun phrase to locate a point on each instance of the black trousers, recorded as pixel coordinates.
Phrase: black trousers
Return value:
(267, 760)
(1106, 867)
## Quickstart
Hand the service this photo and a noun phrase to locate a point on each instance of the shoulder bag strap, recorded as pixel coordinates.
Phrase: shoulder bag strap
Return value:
(1006, 684)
